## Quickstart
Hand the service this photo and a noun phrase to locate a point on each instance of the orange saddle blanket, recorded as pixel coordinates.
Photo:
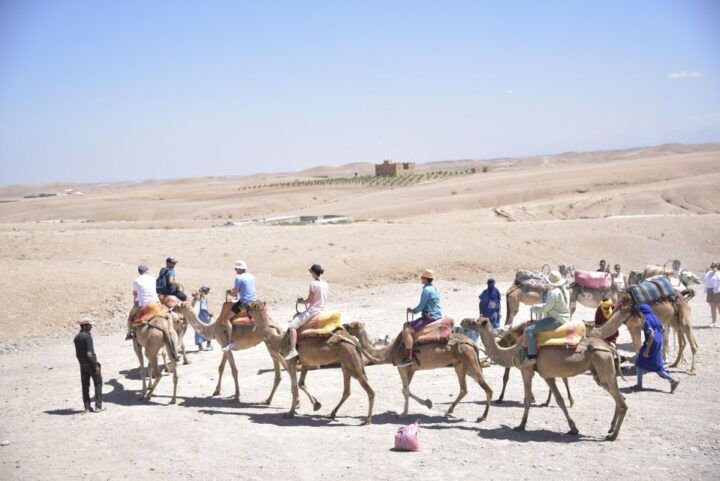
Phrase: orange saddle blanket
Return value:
(438, 331)
(148, 311)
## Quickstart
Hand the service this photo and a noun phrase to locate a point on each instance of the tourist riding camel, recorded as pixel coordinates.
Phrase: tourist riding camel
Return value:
(244, 291)
(144, 293)
(315, 303)
(429, 307)
(166, 284)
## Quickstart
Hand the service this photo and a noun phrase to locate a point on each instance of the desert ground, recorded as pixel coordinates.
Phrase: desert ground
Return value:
(67, 257)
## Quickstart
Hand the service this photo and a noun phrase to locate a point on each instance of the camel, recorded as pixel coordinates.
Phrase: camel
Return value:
(152, 337)
(508, 339)
(180, 325)
(589, 297)
(340, 347)
(245, 336)
(459, 351)
(517, 294)
(675, 313)
(553, 362)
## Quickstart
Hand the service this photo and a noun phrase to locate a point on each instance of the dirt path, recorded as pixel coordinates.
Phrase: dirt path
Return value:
(49, 440)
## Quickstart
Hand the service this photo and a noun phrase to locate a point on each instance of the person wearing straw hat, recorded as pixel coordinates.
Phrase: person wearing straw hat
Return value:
(429, 306)
(244, 291)
(89, 365)
(553, 314)
(316, 303)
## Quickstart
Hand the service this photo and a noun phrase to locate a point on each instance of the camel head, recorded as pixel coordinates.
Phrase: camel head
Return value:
(257, 307)
(634, 278)
(567, 271)
(688, 278)
(354, 326)
(476, 324)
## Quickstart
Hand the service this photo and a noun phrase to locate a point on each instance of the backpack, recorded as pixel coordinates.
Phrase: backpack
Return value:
(161, 283)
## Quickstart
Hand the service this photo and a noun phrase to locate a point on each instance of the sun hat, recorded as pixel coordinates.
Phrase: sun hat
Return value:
(171, 260)
(142, 268)
(556, 279)
(240, 265)
(428, 274)
(316, 269)
(87, 320)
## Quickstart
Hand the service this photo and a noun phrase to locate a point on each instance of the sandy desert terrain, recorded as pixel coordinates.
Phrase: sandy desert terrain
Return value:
(633, 207)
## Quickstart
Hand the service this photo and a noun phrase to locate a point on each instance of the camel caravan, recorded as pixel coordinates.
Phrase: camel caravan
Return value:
(551, 344)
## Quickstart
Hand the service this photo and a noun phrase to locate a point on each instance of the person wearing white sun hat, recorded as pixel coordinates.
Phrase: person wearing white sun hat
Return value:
(553, 314)
(244, 291)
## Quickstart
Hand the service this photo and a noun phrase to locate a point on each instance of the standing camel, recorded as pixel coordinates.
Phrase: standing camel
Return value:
(152, 337)
(553, 362)
(245, 336)
(459, 351)
(340, 347)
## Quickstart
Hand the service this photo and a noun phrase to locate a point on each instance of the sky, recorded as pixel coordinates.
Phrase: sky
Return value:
(94, 91)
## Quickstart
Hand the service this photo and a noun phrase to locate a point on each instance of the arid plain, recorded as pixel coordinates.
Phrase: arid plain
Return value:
(75, 255)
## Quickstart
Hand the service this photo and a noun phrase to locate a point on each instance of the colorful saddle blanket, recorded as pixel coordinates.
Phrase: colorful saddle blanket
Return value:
(531, 280)
(321, 325)
(593, 280)
(148, 311)
(438, 331)
(568, 335)
(652, 290)
(242, 319)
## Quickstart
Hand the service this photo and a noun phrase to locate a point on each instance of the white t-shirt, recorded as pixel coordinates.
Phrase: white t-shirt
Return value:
(619, 282)
(318, 297)
(709, 279)
(144, 285)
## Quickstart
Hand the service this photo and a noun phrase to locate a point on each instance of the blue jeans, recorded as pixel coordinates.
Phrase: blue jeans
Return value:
(542, 325)
(662, 373)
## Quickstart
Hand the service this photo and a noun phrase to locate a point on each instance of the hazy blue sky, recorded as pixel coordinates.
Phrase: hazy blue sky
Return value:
(114, 90)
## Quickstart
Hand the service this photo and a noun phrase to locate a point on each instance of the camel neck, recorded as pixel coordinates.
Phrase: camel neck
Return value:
(499, 355)
(206, 330)
(377, 355)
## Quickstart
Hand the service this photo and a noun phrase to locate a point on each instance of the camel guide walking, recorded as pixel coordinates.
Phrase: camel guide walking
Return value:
(490, 303)
(429, 306)
(166, 283)
(554, 313)
(89, 366)
(316, 303)
(144, 292)
(650, 357)
(244, 291)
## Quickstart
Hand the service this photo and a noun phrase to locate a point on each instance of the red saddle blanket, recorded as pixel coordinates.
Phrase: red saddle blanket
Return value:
(438, 331)
(148, 311)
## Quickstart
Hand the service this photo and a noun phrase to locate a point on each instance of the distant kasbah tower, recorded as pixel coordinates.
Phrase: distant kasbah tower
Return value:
(393, 169)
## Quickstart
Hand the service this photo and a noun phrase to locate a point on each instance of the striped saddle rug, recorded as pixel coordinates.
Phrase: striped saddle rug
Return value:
(650, 291)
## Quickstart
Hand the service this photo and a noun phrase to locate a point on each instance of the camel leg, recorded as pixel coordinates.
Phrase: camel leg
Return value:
(301, 384)
(143, 372)
(506, 377)
(155, 371)
(561, 402)
(460, 371)
(476, 373)
(513, 305)
(182, 350)
(174, 366)
(687, 330)
(406, 374)
(346, 391)
(608, 381)
(221, 368)
(276, 382)
(291, 367)
(234, 370)
(165, 362)
(567, 388)
(681, 348)
(362, 379)
(527, 375)
(547, 401)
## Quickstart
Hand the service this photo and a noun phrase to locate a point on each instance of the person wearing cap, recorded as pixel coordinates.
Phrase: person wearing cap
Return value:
(490, 303)
(553, 314)
(205, 317)
(166, 283)
(89, 366)
(428, 307)
(316, 303)
(602, 315)
(144, 292)
(244, 291)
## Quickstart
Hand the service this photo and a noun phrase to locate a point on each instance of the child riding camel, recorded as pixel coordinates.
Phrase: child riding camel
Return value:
(429, 306)
(316, 302)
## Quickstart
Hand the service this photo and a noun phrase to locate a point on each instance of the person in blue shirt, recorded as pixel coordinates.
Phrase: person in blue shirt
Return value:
(244, 290)
(490, 303)
(650, 357)
(166, 283)
(429, 307)
(205, 318)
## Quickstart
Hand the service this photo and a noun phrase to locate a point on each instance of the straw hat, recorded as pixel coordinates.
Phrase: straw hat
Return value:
(556, 279)
(428, 274)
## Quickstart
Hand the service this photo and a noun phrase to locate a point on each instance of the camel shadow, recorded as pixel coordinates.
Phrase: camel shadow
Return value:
(704, 327)
(64, 412)
(216, 402)
(630, 390)
(121, 396)
(394, 418)
(507, 433)
(278, 419)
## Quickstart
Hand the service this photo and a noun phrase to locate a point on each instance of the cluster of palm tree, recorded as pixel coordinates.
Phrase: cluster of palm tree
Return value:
(369, 180)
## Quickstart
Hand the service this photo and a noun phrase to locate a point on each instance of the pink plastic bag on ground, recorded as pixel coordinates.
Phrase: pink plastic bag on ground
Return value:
(406, 438)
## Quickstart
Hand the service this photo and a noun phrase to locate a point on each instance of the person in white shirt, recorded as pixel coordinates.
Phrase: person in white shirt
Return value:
(712, 289)
(144, 292)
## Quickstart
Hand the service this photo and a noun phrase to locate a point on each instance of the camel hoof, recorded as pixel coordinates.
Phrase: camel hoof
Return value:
(499, 401)
(480, 419)
(519, 429)
(172, 401)
(428, 404)
(216, 393)
(186, 362)
(317, 406)
(611, 437)
(693, 372)
(289, 415)
(367, 422)
(573, 432)
(448, 412)
(544, 405)
(267, 402)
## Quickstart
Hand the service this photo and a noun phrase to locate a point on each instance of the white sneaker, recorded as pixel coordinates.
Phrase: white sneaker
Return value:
(292, 354)
(228, 347)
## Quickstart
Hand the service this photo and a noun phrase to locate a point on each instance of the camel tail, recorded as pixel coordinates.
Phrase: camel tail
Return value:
(170, 345)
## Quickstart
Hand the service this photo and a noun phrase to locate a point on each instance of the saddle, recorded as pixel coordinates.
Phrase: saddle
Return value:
(242, 319)
(322, 325)
(169, 301)
(436, 332)
(568, 335)
(148, 311)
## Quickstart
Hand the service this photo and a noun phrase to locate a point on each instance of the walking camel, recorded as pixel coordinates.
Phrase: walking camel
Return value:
(553, 362)
(152, 337)
(340, 348)
(459, 351)
(244, 336)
